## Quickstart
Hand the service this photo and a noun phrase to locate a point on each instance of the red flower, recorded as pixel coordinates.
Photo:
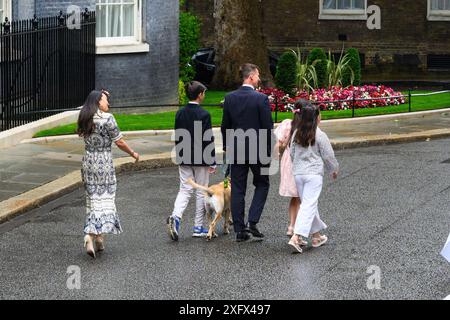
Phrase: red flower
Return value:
(327, 98)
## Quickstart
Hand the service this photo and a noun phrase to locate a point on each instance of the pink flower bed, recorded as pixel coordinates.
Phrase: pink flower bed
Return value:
(323, 97)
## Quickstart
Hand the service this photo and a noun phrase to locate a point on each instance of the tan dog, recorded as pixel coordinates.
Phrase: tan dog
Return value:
(217, 200)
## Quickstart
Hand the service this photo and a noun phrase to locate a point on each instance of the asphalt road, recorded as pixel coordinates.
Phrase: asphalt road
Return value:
(388, 212)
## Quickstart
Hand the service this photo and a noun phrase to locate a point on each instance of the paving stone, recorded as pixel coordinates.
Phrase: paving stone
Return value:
(36, 179)
(5, 195)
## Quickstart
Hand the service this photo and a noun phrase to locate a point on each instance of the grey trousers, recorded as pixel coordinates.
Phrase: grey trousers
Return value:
(201, 176)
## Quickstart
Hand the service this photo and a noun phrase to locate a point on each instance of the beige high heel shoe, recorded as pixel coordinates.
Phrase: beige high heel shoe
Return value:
(296, 245)
(320, 241)
(89, 245)
(100, 243)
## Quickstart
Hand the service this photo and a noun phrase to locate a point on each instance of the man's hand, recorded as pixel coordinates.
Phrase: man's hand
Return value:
(334, 175)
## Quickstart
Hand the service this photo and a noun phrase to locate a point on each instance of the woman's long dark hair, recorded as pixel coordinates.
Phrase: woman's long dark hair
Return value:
(305, 122)
(86, 118)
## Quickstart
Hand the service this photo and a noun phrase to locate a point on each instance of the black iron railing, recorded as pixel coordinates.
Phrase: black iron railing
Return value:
(44, 66)
(278, 105)
(353, 102)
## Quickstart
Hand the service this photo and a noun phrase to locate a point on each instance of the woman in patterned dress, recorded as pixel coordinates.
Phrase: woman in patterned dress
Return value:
(99, 130)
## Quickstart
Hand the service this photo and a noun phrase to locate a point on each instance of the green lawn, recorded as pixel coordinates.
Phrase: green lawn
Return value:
(439, 101)
(214, 97)
(165, 120)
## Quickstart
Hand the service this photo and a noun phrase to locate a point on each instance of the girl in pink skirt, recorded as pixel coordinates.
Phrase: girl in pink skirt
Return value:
(288, 187)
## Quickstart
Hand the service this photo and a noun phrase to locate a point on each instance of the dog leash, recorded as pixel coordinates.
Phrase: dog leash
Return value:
(226, 171)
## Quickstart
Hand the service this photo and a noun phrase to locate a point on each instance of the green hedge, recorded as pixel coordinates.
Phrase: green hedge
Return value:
(189, 43)
(355, 65)
(286, 75)
(318, 55)
(182, 97)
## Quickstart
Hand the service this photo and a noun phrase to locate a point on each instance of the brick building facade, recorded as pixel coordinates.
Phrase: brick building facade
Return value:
(413, 42)
(140, 65)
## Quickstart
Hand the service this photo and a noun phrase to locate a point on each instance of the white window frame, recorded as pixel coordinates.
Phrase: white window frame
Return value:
(437, 15)
(7, 10)
(116, 45)
(345, 14)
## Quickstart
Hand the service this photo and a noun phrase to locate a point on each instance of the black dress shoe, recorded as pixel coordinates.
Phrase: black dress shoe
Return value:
(255, 232)
(242, 236)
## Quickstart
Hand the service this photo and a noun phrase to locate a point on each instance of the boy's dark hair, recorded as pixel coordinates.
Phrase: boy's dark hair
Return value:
(305, 122)
(193, 89)
(247, 69)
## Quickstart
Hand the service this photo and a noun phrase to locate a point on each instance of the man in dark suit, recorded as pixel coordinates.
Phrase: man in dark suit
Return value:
(246, 132)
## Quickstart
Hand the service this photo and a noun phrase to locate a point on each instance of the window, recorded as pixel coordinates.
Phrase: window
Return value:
(438, 10)
(119, 26)
(440, 5)
(438, 62)
(5, 10)
(343, 9)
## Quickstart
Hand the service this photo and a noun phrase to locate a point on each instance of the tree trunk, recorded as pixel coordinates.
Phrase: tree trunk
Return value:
(239, 39)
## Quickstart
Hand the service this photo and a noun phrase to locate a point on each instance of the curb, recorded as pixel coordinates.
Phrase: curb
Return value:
(413, 114)
(50, 191)
(12, 137)
(390, 139)
(57, 188)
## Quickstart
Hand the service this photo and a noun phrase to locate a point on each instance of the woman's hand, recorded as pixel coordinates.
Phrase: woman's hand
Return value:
(125, 148)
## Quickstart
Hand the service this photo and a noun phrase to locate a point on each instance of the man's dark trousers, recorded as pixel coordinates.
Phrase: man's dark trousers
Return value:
(239, 175)
(249, 111)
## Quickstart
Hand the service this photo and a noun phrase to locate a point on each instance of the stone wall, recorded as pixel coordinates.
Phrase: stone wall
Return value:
(134, 79)
(146, 78)
(51, 7)
(23, 11)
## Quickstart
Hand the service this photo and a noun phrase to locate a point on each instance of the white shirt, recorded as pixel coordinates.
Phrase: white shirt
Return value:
(248, 85)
